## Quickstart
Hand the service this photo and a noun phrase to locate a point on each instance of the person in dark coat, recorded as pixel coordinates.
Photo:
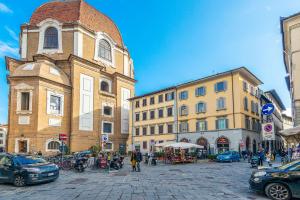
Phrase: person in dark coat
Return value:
(261, 156)
(139, 159)
(133, 160)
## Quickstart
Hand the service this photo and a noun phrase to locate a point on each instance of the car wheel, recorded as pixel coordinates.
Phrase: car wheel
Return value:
(19, 181)
(277, 191)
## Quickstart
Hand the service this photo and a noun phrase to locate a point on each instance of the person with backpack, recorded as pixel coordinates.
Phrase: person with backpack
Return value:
(139, 158)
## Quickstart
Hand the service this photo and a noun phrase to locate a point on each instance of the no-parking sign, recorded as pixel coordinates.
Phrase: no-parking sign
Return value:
(268, 131)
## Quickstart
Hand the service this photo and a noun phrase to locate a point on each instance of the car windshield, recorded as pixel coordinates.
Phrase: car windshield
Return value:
(226, 153)
(28, 160)
(284, 167)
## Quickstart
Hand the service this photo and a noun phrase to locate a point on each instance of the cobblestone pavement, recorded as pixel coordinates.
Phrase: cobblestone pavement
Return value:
(204, 180)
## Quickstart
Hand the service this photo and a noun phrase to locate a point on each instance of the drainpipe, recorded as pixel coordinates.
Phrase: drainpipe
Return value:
(176, 114)
(233, 109)
(132, 124)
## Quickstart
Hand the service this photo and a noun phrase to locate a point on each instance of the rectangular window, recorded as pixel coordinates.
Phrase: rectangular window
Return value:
(152, 101)
(221, 86)
(137, 104)
(169, 96)
(221, 123)
(170, 111)
(252, 90)
(137, 131)
(107, 127)
(201, 125)
(201, 107)
(183, 95)
(161, 129)
(55, 104)
(252, 107)
(170, 128)
(160, 98)
(161, 113)
(184, 127)
(200, 91)
(1, 135)
(144, 130)
(246, 104)
(1, 141)
(221, 103)
(107, 110)
(152, 114)
(144, 102)
(144, 115)
(137, 117)
(245, 86)
(144, 144)
(25, 96)
(247, 122)
(152, 130)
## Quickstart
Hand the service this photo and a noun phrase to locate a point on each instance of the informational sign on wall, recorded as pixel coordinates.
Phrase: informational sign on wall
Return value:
(268, 132)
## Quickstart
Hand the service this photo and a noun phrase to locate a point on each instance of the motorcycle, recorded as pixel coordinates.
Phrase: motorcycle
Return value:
(114, 164)
(80, 164)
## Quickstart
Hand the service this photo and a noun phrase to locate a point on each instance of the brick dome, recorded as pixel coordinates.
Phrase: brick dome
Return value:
(72, 11)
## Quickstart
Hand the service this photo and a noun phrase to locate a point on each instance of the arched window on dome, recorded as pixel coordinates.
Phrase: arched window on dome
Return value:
(51, 38)
(104, 50)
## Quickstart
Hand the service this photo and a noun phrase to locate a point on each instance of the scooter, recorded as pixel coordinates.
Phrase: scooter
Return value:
(121, 161)
(80, 164)
(114, 164)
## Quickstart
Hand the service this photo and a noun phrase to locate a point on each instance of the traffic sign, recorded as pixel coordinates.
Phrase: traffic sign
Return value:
(62, 137)
(104, 138)
(268, 109)
(268, 131)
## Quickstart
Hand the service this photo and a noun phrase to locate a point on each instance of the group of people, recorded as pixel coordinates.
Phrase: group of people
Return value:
(136, 158)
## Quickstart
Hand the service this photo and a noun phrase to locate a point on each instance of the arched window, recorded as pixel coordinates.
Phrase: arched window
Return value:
(51, 38)
(200, 107)
(104, 86)
(104, 50)
(184, 110)
(53, 145)
(184, 140)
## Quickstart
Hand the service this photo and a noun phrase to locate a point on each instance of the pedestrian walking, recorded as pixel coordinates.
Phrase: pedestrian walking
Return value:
(133, 160)
(261, 156)
(150, 158)
(268, 159)
(139, 158)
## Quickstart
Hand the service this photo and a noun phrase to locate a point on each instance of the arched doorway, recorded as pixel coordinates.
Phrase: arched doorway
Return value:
(202, 153)
(254, 146)
(247, 144)
(184, 140)
(222, 144)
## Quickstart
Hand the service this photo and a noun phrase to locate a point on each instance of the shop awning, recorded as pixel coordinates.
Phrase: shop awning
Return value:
(183, 145)
(291, 134)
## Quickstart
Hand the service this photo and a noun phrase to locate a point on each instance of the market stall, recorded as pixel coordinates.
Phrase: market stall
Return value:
(181, 152)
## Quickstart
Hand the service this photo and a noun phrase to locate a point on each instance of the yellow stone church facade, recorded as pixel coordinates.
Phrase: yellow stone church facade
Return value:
(74, 77)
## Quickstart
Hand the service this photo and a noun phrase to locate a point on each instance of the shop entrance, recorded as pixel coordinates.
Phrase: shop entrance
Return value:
(202, 153)
(222, 144)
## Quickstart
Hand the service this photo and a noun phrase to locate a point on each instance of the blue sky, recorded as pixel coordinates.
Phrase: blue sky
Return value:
(174, 41)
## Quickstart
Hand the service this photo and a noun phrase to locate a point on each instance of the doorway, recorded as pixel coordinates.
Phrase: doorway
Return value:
(22, 144)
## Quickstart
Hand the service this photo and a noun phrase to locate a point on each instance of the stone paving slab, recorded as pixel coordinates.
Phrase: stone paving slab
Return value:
(203, 181)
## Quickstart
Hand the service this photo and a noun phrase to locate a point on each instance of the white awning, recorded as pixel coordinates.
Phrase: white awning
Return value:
(184, 145)
(290, 132)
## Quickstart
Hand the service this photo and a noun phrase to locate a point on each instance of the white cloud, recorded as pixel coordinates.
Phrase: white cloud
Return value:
(8, 49)
(5, 9)
(12, 33)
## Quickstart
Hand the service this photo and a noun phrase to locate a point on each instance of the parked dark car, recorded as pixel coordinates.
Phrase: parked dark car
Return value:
(278, 183)
(228, 156)
(22, 170)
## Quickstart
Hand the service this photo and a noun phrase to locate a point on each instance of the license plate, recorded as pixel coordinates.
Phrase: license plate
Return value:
(50, 174)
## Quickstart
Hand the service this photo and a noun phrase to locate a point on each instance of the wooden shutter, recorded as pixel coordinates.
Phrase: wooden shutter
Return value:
(217, 125)
(205, 125)
(227, 123)
(225, 85)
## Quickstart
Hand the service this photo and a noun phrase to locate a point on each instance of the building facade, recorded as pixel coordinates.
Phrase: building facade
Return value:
(290, 28)
(220, 112)
(3, 134)
(276, 117)
(75, 77)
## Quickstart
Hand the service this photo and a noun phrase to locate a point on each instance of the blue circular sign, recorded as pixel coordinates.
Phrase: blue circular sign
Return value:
(268, 109)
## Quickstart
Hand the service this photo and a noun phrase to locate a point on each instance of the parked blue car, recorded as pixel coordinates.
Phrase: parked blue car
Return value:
(229, 156)
(22, 170)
